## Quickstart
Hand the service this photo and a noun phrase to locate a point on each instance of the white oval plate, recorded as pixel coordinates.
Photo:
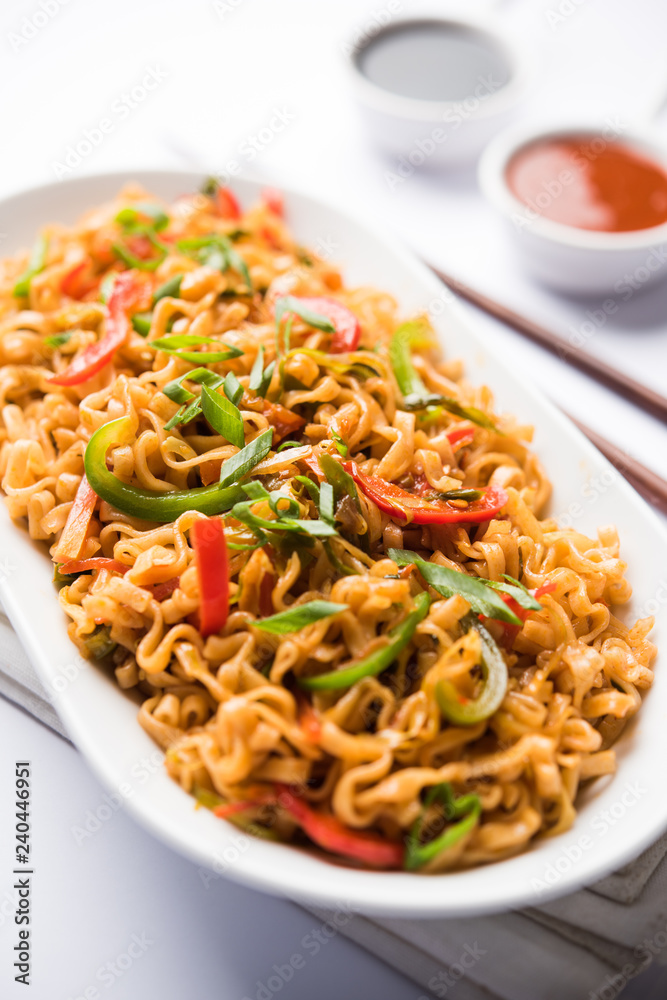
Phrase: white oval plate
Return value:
(618, 816)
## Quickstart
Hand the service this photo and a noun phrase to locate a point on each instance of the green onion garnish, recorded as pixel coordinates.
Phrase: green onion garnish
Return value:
(296, 618)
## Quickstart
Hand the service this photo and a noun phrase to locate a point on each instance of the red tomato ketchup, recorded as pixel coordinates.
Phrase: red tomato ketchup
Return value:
(588, 182)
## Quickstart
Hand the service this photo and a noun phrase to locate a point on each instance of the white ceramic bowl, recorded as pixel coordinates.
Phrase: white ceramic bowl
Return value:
(571, 259)
(435, 133)
(618, 817)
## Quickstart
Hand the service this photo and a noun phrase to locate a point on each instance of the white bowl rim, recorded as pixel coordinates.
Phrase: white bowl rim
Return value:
(398, 894)
(492, 175)
(419, 110)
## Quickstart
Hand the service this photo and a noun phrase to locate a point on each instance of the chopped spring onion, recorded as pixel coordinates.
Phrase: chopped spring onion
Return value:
(131, 218)
(342, 482)
(170, 289)
(233, 389)
(448, 582)
(418, 333)
(58, 339)
(106, 286)
(521, 594)
(291, 304)
(313, 488)
(326, 503)
(344, 486)
(142, 263)
(141, 322)
(223, 416)
(341, 447)
(36, 263)
(260, 377)
(298, 617)
(184, 415)
(176, 392)
(355, 363)
(283, 348)
(234, 468)
(174, 344)
(285, 516)
(216, 250)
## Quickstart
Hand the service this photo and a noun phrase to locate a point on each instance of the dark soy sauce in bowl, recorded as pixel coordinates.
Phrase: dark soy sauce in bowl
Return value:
(437, 61)
(433, 90)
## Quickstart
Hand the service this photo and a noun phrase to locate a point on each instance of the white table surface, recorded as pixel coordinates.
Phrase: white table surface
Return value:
(226, 68)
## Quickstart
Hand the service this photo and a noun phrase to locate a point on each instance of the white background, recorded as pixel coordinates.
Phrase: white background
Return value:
(225, 73)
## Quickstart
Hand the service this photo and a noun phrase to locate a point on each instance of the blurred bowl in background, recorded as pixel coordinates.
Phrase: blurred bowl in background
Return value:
(580, 260)
(435, 88)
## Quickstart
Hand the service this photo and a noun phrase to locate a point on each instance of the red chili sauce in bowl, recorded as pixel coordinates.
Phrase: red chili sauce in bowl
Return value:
(587, 182)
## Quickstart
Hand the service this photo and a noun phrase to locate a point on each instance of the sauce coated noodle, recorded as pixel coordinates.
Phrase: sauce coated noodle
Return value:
(229, 709)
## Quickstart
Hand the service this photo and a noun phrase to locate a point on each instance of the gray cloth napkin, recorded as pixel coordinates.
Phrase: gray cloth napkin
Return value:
(586, 946)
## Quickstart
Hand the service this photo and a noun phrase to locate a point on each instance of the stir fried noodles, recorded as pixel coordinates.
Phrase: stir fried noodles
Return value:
(310, 545)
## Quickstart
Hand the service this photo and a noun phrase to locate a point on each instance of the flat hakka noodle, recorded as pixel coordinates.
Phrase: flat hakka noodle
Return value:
(228, 708)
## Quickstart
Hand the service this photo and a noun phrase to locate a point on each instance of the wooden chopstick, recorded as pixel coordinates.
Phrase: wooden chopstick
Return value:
(646, 482)
(641, 395)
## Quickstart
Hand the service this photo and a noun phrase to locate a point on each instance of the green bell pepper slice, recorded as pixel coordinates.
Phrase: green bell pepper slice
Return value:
(376, 662)
(467, 712)
(148, 504)
(468, 807)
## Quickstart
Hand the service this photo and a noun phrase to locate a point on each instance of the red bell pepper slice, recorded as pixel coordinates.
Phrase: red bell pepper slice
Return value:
(226, 204)
(309, 720)
(231, 808)
(270, 238)
(102, 247)
(398, 503)
(314, 466)
(273, 199)
(523, 613)
(208, 540)
(510, 631)
(460, 436)
(163, 590)
(97, 562)
(79, 281)
(76, 526)
(140, 246)
(209, 471)
(282, 420)
(329, 833)
(422, 487)
(348, 331)
(123, 296)
(325, 830)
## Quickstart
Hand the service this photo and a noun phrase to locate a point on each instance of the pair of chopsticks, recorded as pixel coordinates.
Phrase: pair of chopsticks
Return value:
(647, 483)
